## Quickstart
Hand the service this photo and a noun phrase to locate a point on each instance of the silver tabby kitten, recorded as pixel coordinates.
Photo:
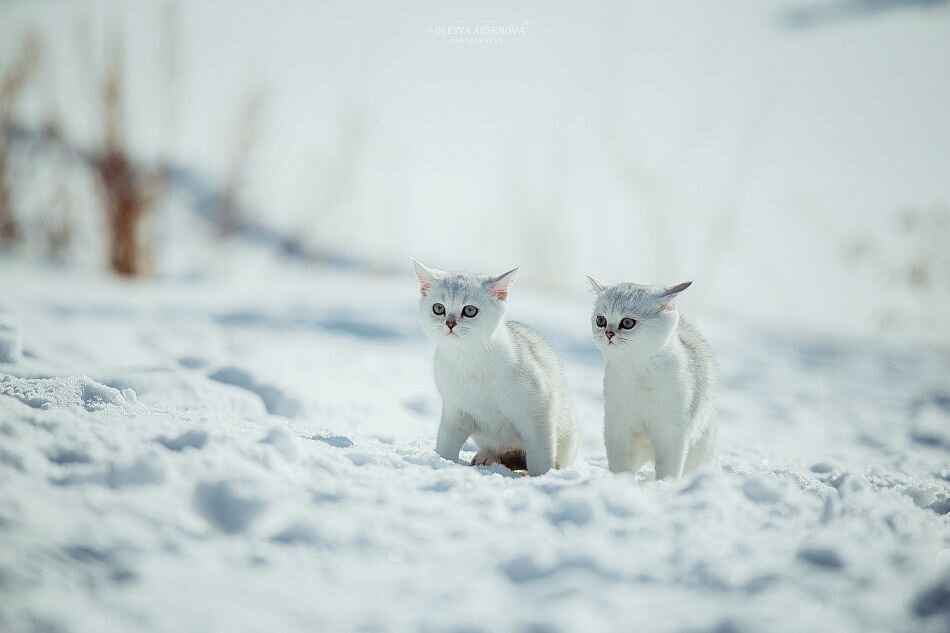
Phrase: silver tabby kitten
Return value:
(501, 383)
(659, 384)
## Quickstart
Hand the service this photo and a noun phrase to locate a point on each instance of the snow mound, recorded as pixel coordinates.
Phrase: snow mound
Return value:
(64, 392)
(187, 391)
(283, 442)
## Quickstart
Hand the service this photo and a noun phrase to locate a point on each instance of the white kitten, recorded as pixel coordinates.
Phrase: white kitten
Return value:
(659, 383)
(501, 383)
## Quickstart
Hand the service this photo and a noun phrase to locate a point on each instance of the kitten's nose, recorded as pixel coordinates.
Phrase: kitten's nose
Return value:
(451, 323)
(609, 334)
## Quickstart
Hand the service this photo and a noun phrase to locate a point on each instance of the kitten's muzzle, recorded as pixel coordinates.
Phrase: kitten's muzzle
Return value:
(450, 322)
(609, 334)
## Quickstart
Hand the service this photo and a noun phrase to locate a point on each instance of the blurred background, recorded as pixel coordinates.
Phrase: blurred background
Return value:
(791, 157)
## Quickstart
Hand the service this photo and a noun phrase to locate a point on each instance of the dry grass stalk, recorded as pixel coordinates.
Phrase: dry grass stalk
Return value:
(128, 193)
(11, 85)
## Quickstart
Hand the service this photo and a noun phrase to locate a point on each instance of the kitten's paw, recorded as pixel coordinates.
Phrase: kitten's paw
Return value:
(512, 459)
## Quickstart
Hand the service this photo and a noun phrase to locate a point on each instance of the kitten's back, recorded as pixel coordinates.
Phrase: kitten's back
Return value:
(541, 366)
(537, 356)
(702, 369)
(533, 345)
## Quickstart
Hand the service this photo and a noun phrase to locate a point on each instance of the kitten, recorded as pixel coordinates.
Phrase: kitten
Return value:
(501, 383)
(659, 383)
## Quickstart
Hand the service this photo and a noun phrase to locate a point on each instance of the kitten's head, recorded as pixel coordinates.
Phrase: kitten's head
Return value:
(633, 320)
(460, 309)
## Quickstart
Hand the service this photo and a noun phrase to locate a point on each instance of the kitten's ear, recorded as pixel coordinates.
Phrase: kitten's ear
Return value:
(426, 275)
(668, 294)
(596, 286)
(500, 284)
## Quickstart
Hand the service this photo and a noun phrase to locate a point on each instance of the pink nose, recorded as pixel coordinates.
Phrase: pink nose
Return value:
(609, 334)
(451, 324)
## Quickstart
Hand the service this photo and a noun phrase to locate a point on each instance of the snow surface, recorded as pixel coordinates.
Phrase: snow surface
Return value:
(255, 452)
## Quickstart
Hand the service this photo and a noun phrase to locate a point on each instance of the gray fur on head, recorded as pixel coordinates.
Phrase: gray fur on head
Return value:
(652, 307)
(454, 291)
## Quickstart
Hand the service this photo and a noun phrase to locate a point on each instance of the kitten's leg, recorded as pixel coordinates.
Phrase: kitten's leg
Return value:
(566, 453)
(454, 429)
(618, 442)
(619, 455)
(567, 439)
(669, 448)
(705, 450)
(540, 444)
(628, 453)
(539, 459)
(642, 451)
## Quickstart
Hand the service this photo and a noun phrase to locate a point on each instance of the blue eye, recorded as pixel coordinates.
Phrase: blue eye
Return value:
(438, 308)
(469, 311)
(627, 324)
(601, 321)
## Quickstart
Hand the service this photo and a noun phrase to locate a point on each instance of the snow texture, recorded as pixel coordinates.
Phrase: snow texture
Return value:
(10, 344)
(165, 466)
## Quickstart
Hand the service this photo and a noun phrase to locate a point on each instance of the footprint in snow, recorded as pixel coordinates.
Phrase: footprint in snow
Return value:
(192, 362)
(194, 438)
(230, 506)
(148, 469)
(362, 459)
(338, 441)
(63, 456)
(758, 491)
(275, 400)
(822, 557)
(105, 561)
(443, 485)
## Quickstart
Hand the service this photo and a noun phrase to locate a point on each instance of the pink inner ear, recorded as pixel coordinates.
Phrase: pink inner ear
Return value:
(424, 287)
(500, 286)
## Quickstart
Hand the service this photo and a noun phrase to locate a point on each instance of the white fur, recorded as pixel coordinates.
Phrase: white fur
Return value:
(501, 383)
(659, 383)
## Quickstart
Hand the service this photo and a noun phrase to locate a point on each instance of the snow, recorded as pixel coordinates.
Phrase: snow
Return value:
(10, 343)
(241, 453)
(242, 443)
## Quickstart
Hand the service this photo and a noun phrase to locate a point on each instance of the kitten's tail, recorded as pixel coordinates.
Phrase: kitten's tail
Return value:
(514, 460)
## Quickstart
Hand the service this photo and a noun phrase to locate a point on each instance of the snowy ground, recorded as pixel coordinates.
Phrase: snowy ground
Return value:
(255, 453)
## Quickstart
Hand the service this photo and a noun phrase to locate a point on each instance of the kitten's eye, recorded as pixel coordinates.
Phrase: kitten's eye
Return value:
(627, 324)
(438, 308)
(601, 321)
(469, 311)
